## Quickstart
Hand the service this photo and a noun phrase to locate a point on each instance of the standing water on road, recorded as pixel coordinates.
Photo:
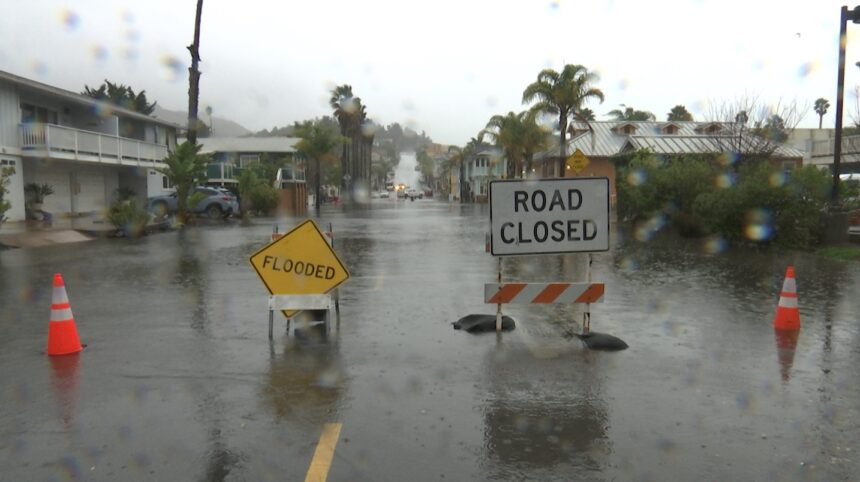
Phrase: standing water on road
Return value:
(179, 380)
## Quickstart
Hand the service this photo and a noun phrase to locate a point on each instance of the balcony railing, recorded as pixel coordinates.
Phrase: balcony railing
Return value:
(822, 148)
(85, 145)
(221, 171)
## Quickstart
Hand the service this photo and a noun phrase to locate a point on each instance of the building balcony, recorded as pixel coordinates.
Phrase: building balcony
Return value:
(222, 172)
(825, 148)
(61, 142)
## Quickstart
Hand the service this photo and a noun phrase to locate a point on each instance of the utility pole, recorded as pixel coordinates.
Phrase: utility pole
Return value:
(194, 78)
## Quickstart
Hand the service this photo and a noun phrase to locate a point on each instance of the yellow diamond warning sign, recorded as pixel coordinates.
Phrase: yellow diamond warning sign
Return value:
(300, 262)
(577, 161)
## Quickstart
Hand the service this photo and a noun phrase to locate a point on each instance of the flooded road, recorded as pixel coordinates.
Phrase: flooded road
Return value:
(179, 380)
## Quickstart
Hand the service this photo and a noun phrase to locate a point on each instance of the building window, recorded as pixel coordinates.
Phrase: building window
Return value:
(7, 162)
(246, 160)
(670, 129)
(165, 183)
(32, 113)
(788, 165)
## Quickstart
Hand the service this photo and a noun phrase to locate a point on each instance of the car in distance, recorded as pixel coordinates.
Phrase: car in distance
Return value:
(414, 194)
(217, 203)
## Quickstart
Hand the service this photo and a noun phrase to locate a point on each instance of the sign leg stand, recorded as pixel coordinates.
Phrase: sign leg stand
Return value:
(586, 317)
(271, 322)
(499, 306)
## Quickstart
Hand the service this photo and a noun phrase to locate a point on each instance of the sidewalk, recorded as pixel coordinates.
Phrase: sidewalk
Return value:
(29, 234)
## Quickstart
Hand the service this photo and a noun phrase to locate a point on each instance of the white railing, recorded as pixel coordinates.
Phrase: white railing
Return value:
(54, 138)
(850, 145)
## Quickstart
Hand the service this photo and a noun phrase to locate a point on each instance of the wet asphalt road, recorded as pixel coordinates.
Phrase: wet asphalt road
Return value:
(179, 381)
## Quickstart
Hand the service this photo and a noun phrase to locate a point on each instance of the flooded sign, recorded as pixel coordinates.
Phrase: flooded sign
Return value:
(566, 215)
(300, 262)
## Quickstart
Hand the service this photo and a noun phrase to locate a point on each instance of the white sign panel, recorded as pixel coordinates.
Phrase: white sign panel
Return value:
(565, 215)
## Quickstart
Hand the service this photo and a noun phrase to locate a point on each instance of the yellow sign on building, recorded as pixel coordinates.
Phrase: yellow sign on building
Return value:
(577, 162)
(301, 262)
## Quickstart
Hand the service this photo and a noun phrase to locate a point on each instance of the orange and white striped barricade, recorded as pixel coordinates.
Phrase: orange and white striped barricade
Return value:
(509, 293)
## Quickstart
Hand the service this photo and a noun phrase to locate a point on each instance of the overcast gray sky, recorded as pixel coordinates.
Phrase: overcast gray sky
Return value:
(443, 66)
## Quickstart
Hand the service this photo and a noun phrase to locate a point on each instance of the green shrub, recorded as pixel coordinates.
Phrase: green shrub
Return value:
(649, 186)
(768, 205)
(127, 218)
(263, 199)
(5, 205)
(755, 202)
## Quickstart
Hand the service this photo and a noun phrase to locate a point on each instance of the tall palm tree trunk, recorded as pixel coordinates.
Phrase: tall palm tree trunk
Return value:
(317, 186)
(562, 124)
(194, 77)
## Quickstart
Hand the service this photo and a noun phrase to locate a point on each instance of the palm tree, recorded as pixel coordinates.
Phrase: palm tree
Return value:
(562, 94)
(354, 129)
(121, 95)
(586, 115)
(345, 107)
(631, 114)
(506, 131)
(821, 106)
(679, 113)
(460, 156)
(318, 142)
(535, 137)
(184, 167)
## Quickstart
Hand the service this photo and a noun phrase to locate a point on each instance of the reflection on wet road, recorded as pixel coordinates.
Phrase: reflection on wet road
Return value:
(179, 381)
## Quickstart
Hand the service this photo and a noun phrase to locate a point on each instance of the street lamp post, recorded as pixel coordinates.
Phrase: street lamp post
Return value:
(854, 16)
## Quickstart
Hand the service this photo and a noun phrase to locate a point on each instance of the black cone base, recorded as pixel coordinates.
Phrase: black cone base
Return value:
(603, 342)
(483, 323)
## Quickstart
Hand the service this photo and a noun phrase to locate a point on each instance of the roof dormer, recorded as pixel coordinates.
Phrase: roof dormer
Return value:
(709, 128)
(627, 128)
(670, 128)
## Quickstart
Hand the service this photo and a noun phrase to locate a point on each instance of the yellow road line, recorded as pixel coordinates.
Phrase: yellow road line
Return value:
(321, 462)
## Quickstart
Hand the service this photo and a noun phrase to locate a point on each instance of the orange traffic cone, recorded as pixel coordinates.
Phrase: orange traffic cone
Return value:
(787, 312)
(62, 333)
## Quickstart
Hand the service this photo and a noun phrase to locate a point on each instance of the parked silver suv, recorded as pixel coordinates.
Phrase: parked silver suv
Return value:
(218, 203)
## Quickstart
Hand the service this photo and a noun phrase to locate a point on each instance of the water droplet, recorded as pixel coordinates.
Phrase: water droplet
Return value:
(758, 225)
(806, 69)
(173, 67)
(637, 177)
(714, 245)
(39, 67)
(778, 179)
(725, 180)
(69, 19)
(99, 52)
(130, 53)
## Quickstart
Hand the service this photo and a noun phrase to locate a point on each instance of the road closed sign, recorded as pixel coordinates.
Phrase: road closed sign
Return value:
(566, 215)
(301, 262)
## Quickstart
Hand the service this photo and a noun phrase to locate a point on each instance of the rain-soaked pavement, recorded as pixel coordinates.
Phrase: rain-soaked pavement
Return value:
(179, 381)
